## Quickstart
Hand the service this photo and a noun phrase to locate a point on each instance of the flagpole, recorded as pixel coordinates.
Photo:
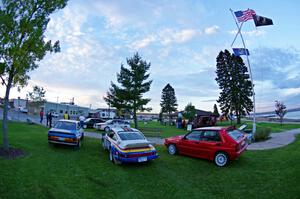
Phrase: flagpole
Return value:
(240, 27)
(247, 55)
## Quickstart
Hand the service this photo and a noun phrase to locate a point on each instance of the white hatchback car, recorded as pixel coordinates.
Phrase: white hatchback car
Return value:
(109, 124)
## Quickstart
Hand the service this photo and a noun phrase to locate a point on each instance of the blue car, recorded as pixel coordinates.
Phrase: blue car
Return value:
(67, 132)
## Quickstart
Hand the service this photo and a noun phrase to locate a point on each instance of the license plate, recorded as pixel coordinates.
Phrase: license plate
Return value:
(61, 139)
(142, 159)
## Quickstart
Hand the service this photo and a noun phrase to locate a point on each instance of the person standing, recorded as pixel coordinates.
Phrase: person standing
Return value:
(81, 119)
(47, 118)
(66, 116)
(41, 115)
(50, 119)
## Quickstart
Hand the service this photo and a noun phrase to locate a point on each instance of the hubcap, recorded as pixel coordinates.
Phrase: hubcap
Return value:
(172, 149)
(221, 159)
(110, 156)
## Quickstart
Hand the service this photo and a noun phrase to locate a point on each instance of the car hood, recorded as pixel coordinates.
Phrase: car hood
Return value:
(134, 143)
(56, 130)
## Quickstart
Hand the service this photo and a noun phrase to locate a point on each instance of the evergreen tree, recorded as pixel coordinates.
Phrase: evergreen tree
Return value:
(189, 112)
(23, 43)
(168, 101)
(216, 112)
(235, 85)
(133, 84)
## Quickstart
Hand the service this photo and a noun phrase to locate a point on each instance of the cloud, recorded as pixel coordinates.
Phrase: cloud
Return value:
(291, 91)
(144, 42)
(211, 30)
(168, 36)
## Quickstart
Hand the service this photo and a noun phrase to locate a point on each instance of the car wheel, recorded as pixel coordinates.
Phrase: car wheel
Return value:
(103, 144)
(111, 156)
(112, 159)
(51, 144)
(172, 149)
(221, 159)
(78, 145)
(107, 129)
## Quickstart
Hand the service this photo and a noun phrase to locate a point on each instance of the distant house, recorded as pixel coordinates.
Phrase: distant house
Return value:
(18, 103)
(202, 118)
(147, 116)
(57, 108)
(106, 113)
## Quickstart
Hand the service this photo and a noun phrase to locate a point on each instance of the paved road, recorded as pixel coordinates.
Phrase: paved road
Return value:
(154, 140)
(277, 140)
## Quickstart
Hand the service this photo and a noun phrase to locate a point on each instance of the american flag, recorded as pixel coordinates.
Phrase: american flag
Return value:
(246, 15)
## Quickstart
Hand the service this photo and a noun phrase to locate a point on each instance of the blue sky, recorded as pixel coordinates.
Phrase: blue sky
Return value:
(180, 38)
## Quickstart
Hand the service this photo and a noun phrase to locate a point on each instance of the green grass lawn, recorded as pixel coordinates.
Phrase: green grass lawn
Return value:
(62, 172)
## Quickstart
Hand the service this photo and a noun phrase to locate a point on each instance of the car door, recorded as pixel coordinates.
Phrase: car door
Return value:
(210, 142)
(189, 144)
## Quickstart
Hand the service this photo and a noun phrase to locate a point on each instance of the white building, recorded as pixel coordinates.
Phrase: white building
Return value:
(19, 103)
(103, 113)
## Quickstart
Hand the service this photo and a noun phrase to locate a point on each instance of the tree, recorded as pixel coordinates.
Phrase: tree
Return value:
(280, 110)
(235, 85)
(168, 101)
(216, 112)
(22, 43)
(38, 94)
(189, 112)
(133, 84)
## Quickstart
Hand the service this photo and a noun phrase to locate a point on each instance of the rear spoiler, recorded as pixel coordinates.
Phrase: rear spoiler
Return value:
(137, 145)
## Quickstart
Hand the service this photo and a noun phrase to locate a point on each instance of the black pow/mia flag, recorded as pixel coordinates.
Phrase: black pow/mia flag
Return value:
(262, 21)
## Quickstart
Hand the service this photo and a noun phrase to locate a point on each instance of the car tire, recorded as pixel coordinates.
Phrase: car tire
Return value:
(111, 156)
(107, 129)
(221, 159)
(172, 150)
(103, 145)
(51, 144)
(112, 159)
(78, 145)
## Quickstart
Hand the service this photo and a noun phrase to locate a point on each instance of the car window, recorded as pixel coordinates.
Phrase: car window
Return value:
(194, 135)
(235, 134)
(113, 136)
(210, 136)
(65, 125)
(130, 136)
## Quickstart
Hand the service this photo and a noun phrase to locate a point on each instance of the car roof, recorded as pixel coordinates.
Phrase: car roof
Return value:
(71, 121)
(215, 128)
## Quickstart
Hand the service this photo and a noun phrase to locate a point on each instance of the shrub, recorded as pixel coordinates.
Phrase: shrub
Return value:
(262, 134)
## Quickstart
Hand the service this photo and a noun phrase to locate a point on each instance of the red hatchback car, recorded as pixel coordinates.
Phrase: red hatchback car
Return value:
(218, 144)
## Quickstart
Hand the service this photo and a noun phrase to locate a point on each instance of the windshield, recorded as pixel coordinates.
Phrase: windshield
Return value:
(65, 125)
(130, 136)
(109, 121)
(235, 134)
